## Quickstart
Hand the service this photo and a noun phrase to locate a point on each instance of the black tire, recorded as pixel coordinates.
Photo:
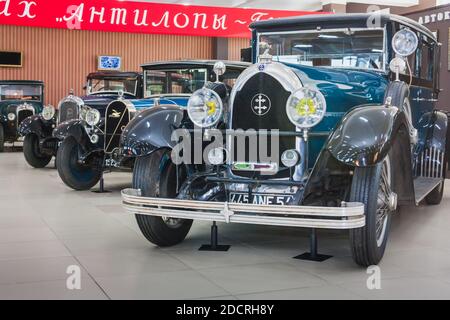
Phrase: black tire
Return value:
(75, 175)
(2, 138)
(147, 177)
(368, 243)
(32, 153)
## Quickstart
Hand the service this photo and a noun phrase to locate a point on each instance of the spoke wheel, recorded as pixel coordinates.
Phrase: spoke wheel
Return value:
(372, 186)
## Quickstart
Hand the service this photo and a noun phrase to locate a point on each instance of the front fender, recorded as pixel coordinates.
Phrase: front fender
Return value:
(37, 125)
(365, 135)
(150, 130)
(73, 128)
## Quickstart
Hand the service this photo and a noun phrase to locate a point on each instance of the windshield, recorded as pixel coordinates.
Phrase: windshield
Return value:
(20, 92)
(348, 48)
(180, 81)
(127, 85)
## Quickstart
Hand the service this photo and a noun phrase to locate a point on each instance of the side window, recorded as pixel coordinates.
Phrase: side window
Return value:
(427, 59)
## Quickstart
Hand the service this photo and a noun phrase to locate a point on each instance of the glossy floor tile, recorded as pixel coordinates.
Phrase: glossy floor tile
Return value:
(47, 229)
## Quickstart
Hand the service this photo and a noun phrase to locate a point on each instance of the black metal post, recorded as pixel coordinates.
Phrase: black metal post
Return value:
(313, 255)
(214, 245)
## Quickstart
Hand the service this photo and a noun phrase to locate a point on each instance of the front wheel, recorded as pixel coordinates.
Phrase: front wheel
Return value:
(76, 175)
(32, 152)
(372, 186)
(155, 175)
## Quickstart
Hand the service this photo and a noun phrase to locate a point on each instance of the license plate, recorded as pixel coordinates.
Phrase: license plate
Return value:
(260, 198)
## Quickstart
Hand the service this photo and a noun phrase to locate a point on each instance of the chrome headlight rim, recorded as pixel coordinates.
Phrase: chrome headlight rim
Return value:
(48, 112)
(308, 100)
(217, 106)
(92, 117)
(11, 116)
(401, 42)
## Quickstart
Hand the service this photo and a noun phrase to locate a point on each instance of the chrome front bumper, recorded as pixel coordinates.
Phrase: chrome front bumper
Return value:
(348, 216)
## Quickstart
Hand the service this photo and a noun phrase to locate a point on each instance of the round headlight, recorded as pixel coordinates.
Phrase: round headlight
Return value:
(306, 107)
(217, 156)
(205, 108)
(405, 42)
(92, 117)
(397, 65)
(48, 112)
(290, 158)
(11, 116)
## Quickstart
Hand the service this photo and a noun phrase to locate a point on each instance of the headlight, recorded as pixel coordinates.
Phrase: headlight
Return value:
(83, 111)
(205, 108)
(217, 156)
(92, 117)
(11, 116)
(48, 112)
(405, 42)
(305, 108)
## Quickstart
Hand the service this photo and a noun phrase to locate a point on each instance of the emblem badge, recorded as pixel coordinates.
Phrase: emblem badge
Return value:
(261, 104)
(261, 67)
(115, 114)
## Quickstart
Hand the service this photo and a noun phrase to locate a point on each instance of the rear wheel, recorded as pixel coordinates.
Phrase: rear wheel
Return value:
(372, 186)
(74, 174)
(157, 180)
(2, 138)
(32, 153)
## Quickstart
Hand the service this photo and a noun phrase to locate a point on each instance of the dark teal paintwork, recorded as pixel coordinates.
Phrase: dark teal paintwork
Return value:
(343, 89)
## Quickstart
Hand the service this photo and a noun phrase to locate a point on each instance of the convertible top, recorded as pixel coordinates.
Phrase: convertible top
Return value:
(159, 65)
(328, 21)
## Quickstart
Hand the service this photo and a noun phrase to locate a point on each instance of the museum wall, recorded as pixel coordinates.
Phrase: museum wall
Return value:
(63, 58)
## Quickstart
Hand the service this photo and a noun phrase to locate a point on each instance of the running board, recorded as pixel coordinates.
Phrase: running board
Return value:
(423, 186)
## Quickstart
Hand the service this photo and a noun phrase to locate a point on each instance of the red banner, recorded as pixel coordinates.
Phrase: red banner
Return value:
(135, 17)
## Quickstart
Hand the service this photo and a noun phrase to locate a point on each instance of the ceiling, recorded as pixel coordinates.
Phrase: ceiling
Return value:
(312, 5)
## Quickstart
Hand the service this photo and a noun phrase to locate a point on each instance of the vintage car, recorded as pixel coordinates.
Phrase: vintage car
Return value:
(350, 108)
(91, 144)
(18, 100)
(101, 88)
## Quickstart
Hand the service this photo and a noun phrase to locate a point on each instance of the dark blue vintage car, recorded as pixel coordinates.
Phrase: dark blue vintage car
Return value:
(101, 88)
(90, 143)
(18, 100)
(351, 110)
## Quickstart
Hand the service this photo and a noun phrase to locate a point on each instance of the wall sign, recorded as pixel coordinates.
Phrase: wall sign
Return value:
(440, 16)
(136, 17)
(109, 63)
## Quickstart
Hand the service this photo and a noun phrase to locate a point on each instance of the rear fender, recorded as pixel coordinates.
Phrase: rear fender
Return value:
(150, 130)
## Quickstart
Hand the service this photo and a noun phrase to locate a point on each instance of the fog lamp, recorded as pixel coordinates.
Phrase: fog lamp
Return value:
(290, 158)
(217, 156)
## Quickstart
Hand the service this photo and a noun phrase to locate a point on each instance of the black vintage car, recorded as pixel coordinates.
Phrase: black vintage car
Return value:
(40, 145)
(349, 112)
(19, 99)
(91, 143)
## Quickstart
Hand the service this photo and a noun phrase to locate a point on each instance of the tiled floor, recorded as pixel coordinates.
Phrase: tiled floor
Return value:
(46, 227)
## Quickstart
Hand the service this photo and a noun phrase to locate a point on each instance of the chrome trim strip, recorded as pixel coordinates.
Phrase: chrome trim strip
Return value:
(349, 216)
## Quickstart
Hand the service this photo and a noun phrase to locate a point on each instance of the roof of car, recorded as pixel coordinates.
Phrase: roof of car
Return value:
(113, 74)
(336, 20)
(39, 82)
(190, 63)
